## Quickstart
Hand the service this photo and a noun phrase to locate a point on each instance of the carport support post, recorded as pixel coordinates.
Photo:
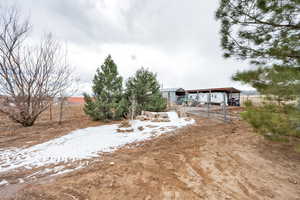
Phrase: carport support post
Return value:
(208, 102)
(224, 107)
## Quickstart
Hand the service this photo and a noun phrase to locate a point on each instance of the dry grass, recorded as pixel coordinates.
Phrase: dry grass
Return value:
(256, 99)
(14, 135)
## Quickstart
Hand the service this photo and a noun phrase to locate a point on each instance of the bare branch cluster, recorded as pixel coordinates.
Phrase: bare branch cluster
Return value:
(30, 76)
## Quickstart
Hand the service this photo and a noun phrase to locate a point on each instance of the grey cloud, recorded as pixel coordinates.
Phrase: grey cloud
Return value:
(172, 27)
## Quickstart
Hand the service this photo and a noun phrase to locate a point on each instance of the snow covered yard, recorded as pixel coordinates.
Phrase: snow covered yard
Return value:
(57, 155)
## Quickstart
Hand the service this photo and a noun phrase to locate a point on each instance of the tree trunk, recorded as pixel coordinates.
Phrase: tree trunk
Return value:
(50, 112)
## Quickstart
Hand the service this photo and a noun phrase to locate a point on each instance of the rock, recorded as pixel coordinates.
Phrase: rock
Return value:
(292, 181)
(123, 130)
(142, 118)
(141, 128)
(111, 163)
(161, 115)
(125, 124)
(164, 115)
(149, 114)
(160, 120)
(151, 126)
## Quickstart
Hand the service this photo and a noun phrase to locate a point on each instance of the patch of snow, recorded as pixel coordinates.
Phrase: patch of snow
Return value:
(21, 180)
(67, 170)
(84, 144)
(3, 182)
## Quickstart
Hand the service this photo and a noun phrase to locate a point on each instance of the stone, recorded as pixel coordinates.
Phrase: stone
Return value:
(292, 181)
(120, 130)
(160, 120)
(125, 124)
(149, 114)
(163, 115)
(142, 118)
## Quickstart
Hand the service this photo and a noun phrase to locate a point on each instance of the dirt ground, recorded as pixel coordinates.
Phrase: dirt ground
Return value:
(208, 160)
(14, 135)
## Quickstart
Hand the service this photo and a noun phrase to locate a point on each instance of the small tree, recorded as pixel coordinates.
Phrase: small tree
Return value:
(144, 87)
(30, 76)
(107, 101)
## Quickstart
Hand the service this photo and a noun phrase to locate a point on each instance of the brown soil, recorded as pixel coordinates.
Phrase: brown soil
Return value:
(209, 160)
(14, 135)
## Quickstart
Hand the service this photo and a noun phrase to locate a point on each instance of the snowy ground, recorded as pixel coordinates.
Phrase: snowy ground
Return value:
(81, 145)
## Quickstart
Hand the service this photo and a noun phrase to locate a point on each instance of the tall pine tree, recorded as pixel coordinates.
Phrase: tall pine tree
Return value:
(267, 33)
(107, 102)
(144, 88)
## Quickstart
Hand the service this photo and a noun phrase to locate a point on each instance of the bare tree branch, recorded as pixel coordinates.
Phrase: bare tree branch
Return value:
(30, 77)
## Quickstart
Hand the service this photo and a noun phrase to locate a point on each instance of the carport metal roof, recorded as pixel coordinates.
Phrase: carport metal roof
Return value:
(227, 90)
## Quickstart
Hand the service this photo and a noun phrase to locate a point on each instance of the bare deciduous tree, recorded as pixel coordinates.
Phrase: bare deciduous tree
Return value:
(30, 77)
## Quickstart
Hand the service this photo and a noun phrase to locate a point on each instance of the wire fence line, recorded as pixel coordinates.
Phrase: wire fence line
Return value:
(220, 111)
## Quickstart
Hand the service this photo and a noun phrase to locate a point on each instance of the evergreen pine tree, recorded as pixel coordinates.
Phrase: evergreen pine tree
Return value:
(107, 102)
(144, 87)
(267, 33)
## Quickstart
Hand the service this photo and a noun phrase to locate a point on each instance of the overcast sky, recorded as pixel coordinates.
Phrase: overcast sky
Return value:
(179, 40)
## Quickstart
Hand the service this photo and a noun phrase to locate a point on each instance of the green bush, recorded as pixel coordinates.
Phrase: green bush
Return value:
(276, 122)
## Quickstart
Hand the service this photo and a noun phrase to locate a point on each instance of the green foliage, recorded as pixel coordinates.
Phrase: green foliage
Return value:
(121, 108)
(107, 102)
(144, 88)
(267, 33)
(157, 103)
(273, 121)
(280, 83)
(89, 107)
(264, 31)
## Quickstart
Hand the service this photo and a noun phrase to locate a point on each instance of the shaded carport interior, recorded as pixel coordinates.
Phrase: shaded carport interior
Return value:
(233, 94)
